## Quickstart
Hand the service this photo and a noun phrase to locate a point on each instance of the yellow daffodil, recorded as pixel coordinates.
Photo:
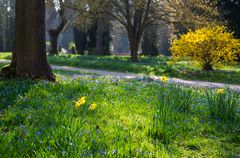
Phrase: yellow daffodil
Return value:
(164, 79)
(220, 91)
(80, 102)
(92, 106)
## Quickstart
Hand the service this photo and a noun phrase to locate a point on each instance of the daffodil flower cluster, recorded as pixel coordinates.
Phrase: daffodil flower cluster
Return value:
(82, 101)
(220, 91)
(164, 79)
(92, 106)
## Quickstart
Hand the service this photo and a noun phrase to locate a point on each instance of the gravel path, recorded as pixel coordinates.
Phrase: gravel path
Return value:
(132, 76)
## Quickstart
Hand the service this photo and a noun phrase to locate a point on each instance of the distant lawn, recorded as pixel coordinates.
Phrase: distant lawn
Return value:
(162, 66)
(133, 118)
(5, 55)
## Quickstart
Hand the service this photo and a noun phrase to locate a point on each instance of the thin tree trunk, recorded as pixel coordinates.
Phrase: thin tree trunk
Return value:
(54, 33)
(80, 38)
(1, 35)
(134, 51)
(134, 43)
(29, 56)
(53, 41)
(99, 38)
(207, 66)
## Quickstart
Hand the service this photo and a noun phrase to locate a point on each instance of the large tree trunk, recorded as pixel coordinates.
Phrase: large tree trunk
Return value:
(29, 57)
(80, 38)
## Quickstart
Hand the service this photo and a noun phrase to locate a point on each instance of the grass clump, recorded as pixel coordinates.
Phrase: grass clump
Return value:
(224, 106)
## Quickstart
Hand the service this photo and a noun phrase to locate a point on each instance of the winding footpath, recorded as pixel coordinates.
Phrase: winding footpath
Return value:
(134, 76)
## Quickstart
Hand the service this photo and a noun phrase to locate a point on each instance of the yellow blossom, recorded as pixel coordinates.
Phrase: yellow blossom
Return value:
(164, 79)
(208, 46)
(80, 102)
(220, 91)
(92, 106)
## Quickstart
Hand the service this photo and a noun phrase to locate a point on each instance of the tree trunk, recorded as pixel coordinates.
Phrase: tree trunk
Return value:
(134, 43)
(53, 41)
(80, 38)
(91, 36)
(134, 51)
(54, 33)
(99, 38)
(29, 57)
(150, 42)
(1, 35)
(9, 34)
(54, 37)
(207, 66)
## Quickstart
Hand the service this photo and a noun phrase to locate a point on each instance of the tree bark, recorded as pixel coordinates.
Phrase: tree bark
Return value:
(29, 57)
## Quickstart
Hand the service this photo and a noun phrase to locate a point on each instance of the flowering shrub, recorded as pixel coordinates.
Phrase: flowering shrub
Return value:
(208, 46)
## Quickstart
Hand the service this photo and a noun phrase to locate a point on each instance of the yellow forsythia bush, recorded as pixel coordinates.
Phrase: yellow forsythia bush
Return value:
(208, 46)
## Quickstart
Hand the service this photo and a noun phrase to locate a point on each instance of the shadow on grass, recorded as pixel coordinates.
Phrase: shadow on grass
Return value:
(12, 89)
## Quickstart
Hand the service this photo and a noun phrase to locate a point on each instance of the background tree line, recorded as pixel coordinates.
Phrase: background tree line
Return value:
(92, 30)
(92, 22)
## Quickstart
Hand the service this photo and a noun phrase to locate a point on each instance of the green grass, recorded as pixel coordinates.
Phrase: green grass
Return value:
(5, 55)
(161, 66)
(133, 118)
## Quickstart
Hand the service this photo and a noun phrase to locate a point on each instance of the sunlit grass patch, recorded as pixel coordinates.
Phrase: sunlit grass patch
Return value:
(131, 118)
(5, 55)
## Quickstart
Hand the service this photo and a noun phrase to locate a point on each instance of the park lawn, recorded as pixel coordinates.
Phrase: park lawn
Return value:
(160, 66)
(133, 118)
